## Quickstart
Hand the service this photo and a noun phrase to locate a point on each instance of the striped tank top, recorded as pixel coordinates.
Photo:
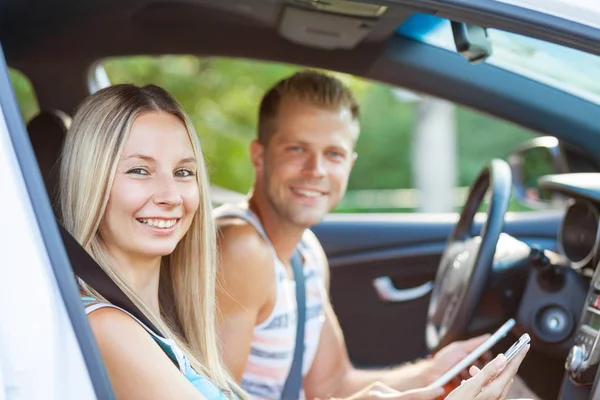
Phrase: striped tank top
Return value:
(203, 385)
(274, 340)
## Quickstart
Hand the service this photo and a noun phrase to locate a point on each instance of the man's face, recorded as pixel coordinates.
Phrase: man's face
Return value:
(305, 167)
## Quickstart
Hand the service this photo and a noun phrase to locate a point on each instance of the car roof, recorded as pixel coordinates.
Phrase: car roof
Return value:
(100, 28)
(55, 42)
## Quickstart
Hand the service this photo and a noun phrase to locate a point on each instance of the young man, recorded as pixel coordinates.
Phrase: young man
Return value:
(308, 127)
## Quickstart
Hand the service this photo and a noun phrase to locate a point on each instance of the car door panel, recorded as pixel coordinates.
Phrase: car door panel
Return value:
(406, 248)
(47, 348)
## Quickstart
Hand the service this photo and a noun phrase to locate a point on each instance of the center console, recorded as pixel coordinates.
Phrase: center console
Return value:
(584, 357)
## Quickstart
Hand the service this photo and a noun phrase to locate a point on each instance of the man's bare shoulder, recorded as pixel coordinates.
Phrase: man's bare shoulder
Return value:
(238, 240)
(245, 260)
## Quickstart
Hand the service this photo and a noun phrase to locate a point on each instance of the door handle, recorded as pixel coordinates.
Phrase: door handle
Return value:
(389, 293)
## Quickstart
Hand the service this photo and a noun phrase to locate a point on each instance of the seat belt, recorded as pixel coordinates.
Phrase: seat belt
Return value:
(293, 383)
(86, 268)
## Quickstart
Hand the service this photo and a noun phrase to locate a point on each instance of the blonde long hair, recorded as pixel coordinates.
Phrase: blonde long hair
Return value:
(92, 150)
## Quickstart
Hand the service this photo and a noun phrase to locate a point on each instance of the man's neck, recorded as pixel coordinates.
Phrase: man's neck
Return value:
(283, 235)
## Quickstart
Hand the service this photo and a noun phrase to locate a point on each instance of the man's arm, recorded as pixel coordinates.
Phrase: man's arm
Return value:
(244, 275)
(332, 374)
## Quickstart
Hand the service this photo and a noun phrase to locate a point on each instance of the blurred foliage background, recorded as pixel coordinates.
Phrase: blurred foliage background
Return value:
(222, 96)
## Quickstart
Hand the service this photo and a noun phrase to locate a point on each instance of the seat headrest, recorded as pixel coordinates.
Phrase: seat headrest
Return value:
(47, 132)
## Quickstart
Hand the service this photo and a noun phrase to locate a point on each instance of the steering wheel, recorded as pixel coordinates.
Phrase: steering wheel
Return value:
(466, 263)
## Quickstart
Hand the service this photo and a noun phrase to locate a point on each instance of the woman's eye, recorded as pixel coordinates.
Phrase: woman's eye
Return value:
(138, 171)
(184, 173)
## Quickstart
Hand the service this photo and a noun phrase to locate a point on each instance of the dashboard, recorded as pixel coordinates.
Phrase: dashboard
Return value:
(579, 243)
(579, 233)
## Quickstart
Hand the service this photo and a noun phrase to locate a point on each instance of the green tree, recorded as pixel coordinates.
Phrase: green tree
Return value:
(222, 95)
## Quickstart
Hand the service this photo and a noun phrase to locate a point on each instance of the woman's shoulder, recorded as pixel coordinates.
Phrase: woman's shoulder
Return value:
(113, 326)
(130, 348)
(133, 358)
(109, 321)
(102, 312)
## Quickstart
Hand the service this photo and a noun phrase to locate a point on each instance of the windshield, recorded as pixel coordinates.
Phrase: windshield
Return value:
(570, 70)
(586, 12)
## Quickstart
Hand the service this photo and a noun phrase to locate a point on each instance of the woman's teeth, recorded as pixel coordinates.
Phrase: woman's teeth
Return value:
(159, 223)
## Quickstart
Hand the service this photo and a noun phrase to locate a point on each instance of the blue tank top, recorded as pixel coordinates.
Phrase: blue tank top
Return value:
(204, 386)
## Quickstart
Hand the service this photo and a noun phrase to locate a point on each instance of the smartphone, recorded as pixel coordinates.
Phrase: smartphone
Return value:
(517, 347)
(478, 352)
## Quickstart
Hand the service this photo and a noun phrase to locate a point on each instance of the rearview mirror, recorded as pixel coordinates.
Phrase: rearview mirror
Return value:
(539, 157)
(471, 41)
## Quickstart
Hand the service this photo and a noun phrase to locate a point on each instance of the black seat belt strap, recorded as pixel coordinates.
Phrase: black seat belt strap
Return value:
(293, 384)
(86, 268)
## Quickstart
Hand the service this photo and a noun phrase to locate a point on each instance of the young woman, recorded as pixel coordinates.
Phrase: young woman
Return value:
(134, 193)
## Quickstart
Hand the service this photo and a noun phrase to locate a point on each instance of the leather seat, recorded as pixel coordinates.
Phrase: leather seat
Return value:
(47, 132)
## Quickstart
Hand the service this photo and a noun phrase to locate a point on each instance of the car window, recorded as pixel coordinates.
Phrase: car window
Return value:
(415, 153)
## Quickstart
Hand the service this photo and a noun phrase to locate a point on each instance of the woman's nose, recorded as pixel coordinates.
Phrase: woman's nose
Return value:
(167, 192)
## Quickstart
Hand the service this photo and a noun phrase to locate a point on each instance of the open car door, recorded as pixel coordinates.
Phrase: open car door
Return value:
(46, 345)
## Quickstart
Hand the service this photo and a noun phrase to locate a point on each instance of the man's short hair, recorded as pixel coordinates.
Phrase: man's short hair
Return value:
(313, 87)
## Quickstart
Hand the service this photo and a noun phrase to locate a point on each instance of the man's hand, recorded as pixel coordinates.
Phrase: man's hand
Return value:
(450, 355)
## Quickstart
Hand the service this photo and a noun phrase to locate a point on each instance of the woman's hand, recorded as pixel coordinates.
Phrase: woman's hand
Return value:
(378, 391)
(492, 382)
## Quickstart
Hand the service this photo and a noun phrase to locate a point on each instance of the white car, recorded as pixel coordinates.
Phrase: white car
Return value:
(542, 74)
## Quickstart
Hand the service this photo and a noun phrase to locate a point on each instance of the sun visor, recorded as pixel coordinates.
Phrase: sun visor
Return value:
(330, 29)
